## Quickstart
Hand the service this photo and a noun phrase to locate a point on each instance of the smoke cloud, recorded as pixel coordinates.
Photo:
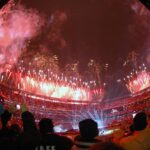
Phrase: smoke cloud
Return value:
(18, 26)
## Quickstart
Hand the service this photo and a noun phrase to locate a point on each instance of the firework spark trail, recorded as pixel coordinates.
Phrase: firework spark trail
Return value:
(139, 83)
(58, 87)
(17, 26)
(54, 90)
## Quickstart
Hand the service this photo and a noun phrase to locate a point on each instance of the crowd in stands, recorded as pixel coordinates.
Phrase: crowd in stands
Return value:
(29, 136)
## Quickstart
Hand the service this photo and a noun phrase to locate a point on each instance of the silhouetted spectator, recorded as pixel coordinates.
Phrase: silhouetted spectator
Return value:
(30, 137)
(50, 139)
(88, 131)
(29, 125)
(5, 117)
(46, 126)
(6, 139)
(140, 121)
(140, 140)
(106, 146)
(15, 130)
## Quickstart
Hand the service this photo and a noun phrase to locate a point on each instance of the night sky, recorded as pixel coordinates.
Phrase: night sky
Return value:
(104, 30)
(100, 29)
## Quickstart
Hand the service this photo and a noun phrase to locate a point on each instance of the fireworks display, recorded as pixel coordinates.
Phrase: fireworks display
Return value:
(52, 85)
(58, 63)
(40, 73)
(17, 26)
(55, 90)
(138, 81)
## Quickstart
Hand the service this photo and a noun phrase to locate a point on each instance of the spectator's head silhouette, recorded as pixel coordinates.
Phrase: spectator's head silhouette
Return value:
(5, 117)
(140, 121)
(15, 130)
(46, 126)
(28, 122)
(88, 129)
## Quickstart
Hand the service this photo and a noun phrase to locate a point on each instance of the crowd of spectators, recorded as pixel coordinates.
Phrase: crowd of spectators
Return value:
(29, 136)
(22, 132)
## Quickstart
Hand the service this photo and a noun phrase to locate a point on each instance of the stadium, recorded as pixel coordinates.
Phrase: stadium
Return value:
(66, 113)
(74, 74)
